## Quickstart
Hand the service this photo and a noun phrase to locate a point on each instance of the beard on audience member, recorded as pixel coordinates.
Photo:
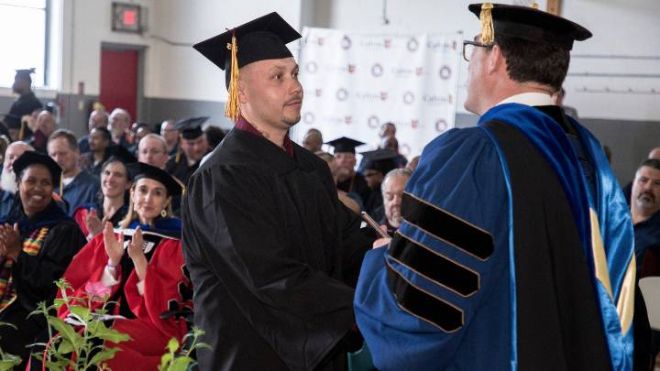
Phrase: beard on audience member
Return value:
(8, 181)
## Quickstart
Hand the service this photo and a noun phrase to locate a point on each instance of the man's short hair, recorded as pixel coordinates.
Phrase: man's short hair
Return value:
(650, 162)
(398, 172)
(545, 63)
(104, 132)
(157, 137)
(66, 134)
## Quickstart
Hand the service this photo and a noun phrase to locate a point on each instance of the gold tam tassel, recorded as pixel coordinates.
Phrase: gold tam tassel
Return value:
(486, 18)
(231, 109)
(61, 185)
(535, 5)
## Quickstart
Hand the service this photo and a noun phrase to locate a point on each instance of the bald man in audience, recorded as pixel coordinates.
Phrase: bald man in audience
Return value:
(45, 125)
(98, 118)
(8, 186)
(171, 136)
(313, 140)
(119, 126)
(655, 153)
(152, 150)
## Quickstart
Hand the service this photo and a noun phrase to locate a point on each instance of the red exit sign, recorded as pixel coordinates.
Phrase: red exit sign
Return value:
(126, 17)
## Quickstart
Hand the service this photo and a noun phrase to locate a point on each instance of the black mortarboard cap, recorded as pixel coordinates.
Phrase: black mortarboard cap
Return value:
(32, 157)
(121, 154)
(262, 38)
(139, 170)
(25, 72)
(382, 160)
(530, 24)
(345, 144)
(191, 128)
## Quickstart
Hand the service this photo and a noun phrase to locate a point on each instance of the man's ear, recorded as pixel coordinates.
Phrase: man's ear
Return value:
(495, 60)
(242, 86)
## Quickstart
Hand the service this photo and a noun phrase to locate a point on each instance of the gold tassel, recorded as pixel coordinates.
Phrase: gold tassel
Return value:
(231, 109)
(98, 106)
(177, 158)
(61, 186)
(535, 5)
(21, 132)
(486, 18)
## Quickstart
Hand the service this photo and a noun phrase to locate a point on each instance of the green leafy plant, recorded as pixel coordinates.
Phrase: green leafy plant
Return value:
(8, 361)
(80, 342)
(179, 357)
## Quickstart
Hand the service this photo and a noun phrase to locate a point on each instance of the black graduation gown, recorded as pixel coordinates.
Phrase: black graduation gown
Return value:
(25, 105)
(358, 185)
(181, 170)
(269, 248)
(34, 273)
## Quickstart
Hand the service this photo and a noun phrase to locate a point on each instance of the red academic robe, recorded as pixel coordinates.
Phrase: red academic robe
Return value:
(165, 288)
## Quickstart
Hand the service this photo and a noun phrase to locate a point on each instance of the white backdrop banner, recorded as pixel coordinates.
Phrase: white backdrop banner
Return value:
(356, 82)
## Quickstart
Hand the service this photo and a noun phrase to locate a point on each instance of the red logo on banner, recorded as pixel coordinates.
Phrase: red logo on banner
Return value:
(320, 41)
(388, 43)
(377, 70)
(414, 123)
(383, 95)
(441, 125)
(408, 97)
(445, 72)
(348, 120)
(342, 94)
(346, 43)
(419, 71)
(318, 92)
(351, 68)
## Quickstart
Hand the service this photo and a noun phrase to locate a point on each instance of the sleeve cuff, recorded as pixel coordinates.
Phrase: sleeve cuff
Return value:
(108, 278)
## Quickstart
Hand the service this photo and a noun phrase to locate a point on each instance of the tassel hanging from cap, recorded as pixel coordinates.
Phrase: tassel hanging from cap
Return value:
(535, 5)
(486, 18)
(231, 109)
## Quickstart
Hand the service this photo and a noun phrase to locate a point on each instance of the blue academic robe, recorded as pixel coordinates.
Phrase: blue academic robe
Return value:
(505, 259)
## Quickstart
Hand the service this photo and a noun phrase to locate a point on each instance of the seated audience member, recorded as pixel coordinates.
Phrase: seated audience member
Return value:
(80, 187)
(313, 140)
(99, 145)
(8, 186)
(351, 201)
(146, 278)
(138, 130)
(653, 154)
(645, 211)
(376, 164)
(171, 136)
(152, 150)
(193, 146)
(392, 189)
(111, 204)
(348, 180)
(214, 135)
(45, 125)
(98, 118)
(119, 127)
(37, 242)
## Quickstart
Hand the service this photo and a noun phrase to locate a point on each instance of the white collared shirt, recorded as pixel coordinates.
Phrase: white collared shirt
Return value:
(530, 99)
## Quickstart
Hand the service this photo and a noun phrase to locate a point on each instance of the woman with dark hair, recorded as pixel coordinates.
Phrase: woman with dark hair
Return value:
(112, 202)
(37, 242)
(142, 266)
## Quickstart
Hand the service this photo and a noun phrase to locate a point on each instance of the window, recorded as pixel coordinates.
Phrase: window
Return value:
(23, 39)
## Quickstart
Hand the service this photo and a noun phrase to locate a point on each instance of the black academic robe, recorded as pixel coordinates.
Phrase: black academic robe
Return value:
(50, 240)
(357, 185)
(270, 250)
(25, 105)
(180, 169)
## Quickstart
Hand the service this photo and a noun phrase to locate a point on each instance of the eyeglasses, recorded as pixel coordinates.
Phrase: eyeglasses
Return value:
(468, 48)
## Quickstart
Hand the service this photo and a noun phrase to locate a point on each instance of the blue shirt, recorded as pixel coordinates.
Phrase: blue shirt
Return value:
(82, 190)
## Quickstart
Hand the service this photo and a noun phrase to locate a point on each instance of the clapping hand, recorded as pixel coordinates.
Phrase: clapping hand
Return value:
(10, 241)
(136, 252)
(113, 247)
(93, 223)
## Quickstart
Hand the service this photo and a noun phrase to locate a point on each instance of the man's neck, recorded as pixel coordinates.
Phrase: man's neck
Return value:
(71, 173)
(273, 134)
(528, 93)
(641, 215)
(99, 155)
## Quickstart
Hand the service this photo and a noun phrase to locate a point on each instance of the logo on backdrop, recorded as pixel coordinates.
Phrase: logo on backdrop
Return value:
(348, 120)
(377, 70)
(351, 68)
(383, 95)
(441, 125)
(408, 97)
(373, 121)
(342, 94)
(412, 44)
(318, 92)
(414, 123)
(311, 67)
(308, 118)
(346, 42)
(445, 72)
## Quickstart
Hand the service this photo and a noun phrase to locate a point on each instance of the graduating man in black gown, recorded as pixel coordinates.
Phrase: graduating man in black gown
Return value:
(271, 251)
